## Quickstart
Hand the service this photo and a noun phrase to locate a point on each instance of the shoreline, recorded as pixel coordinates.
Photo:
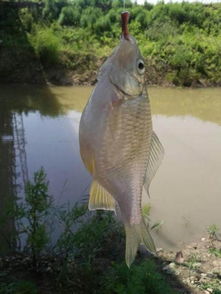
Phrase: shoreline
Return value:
(72, 79)
(82, 70)
(195, 269)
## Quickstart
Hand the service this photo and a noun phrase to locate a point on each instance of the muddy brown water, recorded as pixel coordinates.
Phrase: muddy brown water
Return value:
(39, 128)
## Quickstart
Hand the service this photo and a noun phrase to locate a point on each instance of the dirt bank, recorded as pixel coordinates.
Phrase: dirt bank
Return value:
(21, 65)
(198, 265)
(194, 270)
(84, 71)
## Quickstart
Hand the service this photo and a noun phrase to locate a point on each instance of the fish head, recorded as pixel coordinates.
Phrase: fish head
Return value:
(125, 68)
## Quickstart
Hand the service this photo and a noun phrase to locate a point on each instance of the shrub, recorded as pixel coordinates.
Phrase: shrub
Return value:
(31, 216)
(142, 279)
(26, 19)
(69, 16)
(47, 45)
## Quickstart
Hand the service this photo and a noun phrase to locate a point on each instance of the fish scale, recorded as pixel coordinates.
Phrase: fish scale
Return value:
(130, 128)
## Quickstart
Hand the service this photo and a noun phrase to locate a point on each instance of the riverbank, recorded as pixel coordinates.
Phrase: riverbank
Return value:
(194, 270)
(87, 75)
(66, 45)
(198, 265)
(83, 72)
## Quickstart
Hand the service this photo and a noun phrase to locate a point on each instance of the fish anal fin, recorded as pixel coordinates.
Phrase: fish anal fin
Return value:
(155, 158)
(100, 198)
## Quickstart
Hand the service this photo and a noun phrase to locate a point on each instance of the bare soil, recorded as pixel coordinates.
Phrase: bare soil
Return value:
(197, 266)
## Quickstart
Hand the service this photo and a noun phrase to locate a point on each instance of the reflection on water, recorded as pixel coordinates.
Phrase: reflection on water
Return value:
(186, 192)
(200, 103)
(7, 178)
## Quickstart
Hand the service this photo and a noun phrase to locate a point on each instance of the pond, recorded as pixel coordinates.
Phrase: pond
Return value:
(39, 128)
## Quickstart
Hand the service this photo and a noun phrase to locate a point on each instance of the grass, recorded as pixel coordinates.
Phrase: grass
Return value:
(142, 278)
(215, 286)
(193, 262)
(215, 251)
(213, 230)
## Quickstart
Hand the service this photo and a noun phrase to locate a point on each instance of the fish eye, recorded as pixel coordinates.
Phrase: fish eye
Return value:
(140, 66)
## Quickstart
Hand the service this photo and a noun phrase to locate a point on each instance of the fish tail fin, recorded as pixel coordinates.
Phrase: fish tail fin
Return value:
(137, 234)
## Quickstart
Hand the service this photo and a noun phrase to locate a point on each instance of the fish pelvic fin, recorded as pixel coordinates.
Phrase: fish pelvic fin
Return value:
(100, 198)
(137, 234)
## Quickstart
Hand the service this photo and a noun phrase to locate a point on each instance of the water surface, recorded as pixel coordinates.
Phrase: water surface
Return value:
(39, 128)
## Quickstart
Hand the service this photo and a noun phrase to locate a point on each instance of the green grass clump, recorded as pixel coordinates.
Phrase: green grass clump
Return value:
(215, 251)
(214, 285)
(141, 278)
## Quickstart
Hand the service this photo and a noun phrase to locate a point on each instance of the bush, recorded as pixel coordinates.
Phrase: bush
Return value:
(47, 45)
(142, 279)
(26, 19)
(31, 216)
(69, 16)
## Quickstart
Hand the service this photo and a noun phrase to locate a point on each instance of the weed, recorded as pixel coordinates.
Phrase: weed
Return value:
(215, 251)
(193, 262)
(214, 285)
(31, 216)
(212, 231)
(70, 218)
(142, 278)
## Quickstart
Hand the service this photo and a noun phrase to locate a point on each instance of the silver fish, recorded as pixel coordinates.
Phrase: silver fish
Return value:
(117, 142)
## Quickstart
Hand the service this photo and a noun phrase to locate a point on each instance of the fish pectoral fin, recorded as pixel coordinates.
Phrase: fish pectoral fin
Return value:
(100, 198)
(155, 158)
(137, 234)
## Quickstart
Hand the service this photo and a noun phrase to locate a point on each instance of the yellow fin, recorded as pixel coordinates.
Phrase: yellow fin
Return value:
(100, 198)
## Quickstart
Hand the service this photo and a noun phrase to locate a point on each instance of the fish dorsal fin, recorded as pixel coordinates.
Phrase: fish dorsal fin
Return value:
(155, 158)
(100, 198)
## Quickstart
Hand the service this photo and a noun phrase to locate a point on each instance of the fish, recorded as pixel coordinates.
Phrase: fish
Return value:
(117, 143)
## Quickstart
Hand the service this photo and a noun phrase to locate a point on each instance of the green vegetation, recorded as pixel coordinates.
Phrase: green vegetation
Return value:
(87, 256)
(193, 262)
(35, 210)
(213, 230)
(215, 286)
(142, 278)
(215, 251)
(181, 42)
